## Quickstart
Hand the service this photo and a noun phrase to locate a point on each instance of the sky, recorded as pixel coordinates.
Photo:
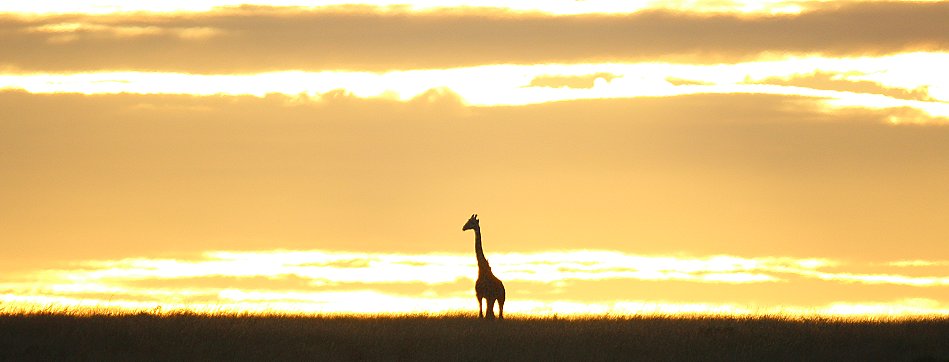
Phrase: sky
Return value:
(625, 157)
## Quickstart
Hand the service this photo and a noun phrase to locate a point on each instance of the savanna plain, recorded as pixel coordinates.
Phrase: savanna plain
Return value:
(65, 335)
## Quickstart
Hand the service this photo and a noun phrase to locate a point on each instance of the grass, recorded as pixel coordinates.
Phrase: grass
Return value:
(58, 335)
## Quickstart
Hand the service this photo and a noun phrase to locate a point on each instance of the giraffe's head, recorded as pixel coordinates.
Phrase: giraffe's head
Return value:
(472, 223)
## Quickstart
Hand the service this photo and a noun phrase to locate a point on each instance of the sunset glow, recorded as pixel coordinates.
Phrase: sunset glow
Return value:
(318, 281)
(840, 83)
(560, 7)
(627, 157)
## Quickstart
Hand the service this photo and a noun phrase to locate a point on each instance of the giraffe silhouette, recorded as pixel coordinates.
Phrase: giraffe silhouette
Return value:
(488, 286)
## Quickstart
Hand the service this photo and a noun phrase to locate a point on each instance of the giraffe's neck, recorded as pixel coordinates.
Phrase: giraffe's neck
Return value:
(479, 253)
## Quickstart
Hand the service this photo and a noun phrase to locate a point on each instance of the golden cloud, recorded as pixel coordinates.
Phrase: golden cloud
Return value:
(326, 281)
(256, 40)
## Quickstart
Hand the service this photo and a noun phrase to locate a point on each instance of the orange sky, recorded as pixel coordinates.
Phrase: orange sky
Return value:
(377, 132)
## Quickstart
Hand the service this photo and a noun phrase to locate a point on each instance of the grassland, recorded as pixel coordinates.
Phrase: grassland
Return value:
(188, 336)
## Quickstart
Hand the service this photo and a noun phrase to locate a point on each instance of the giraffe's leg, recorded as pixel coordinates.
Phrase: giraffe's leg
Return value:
(480, 315)
(501, 308)
(489, 312)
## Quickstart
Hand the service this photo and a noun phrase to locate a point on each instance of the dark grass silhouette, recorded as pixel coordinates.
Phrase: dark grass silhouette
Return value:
(188, 336)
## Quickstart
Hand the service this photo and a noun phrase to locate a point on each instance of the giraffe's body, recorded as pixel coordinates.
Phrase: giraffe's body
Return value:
(488, 287)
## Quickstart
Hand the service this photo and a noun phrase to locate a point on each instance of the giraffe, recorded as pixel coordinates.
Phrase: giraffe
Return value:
(488, 286)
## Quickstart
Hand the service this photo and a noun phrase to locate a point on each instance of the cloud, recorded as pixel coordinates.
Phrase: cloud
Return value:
(560, 7)
(322, 281)
(865, 86)
(840, 82)
(571, 81)
(919, 263)
(681, 81)
(67, 32)
(143, 174)
(268, 39)
(294, 270)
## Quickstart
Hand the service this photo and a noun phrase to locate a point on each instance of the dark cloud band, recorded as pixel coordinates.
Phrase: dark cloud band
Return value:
(265, 39)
